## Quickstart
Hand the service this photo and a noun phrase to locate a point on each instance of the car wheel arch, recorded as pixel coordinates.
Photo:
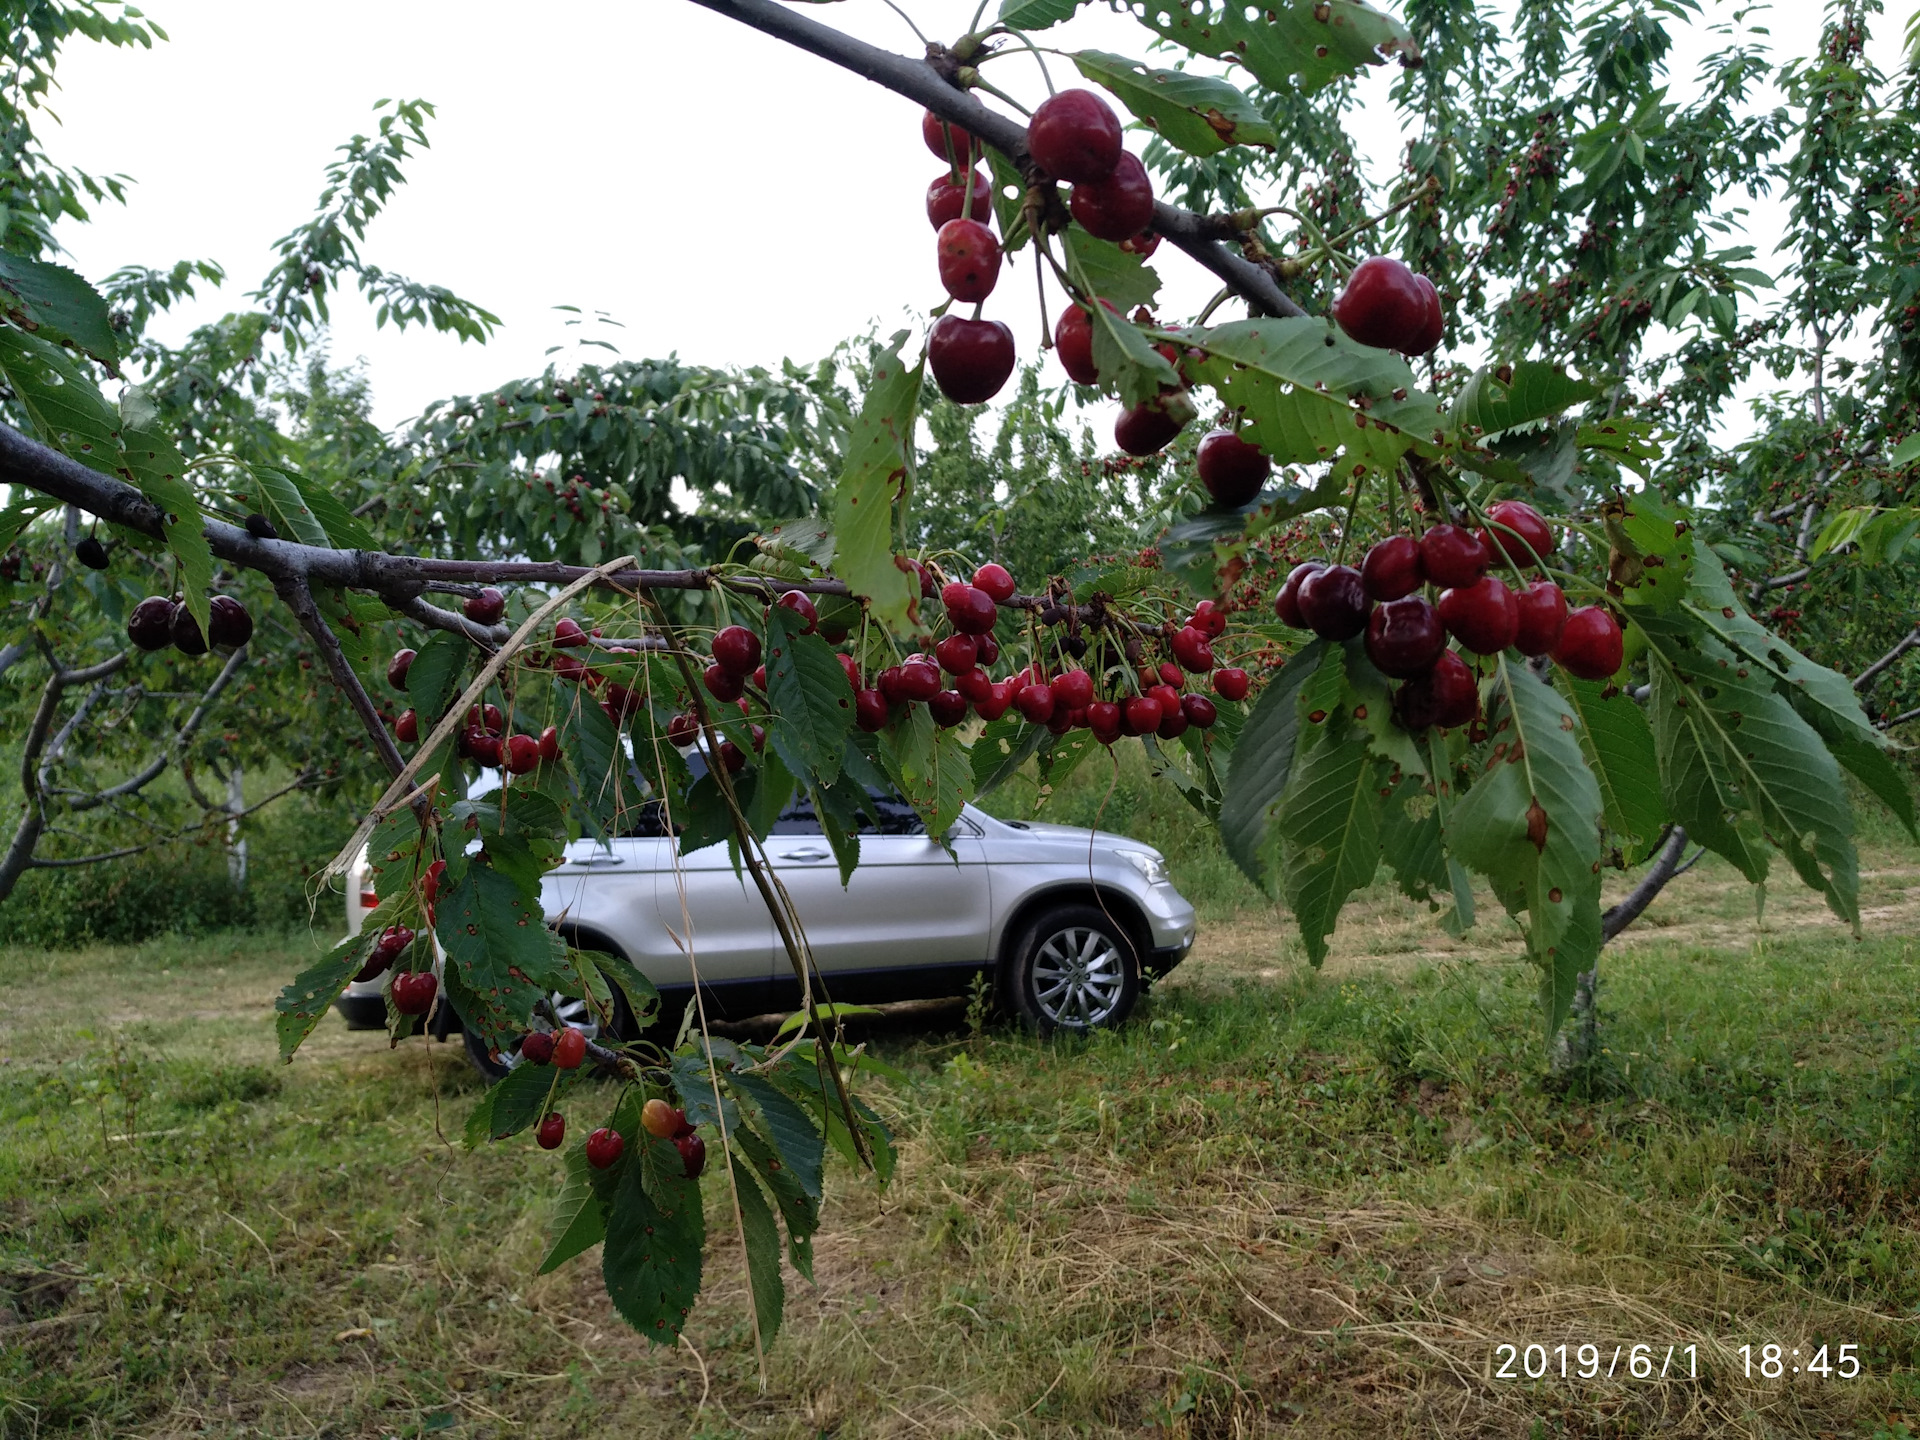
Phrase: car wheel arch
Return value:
(1034, 907)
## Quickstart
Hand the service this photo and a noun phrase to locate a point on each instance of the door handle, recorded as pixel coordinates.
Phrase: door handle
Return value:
(809, 854)
(602, 860)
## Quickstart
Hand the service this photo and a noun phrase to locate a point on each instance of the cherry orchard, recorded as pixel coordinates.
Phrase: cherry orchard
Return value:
(1501, 683)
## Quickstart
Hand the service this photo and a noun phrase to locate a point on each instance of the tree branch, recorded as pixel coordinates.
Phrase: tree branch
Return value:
(223, 817)
(298, 598)
(135, 783)
(1864, 680)
(1665, 866)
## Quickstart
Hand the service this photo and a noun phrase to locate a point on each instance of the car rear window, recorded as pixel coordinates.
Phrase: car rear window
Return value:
(889, 815)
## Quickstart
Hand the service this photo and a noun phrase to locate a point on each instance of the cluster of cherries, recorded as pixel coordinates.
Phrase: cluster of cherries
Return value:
(1406, 635)
(1073, 136)
(159, 621)
(413, 991)
(605, 1146)
(484, 736)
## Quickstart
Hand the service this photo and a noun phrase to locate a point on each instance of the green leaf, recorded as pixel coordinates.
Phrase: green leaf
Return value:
(811, 699)
(1329, 824)
(642, 999)
(1261, 761)
(930, 768)
(1200, 114)
(1618, 745)
(596, 756)
(1872, 767)
(61, 401)
(1000, 750)
(510, 1106)
(1696, 783)
(302, 1003)
(57, 306)
(1293, 45)
(498, 938)
(579, 1216)
(1531, 824)
(1410, 839)
(280, 500)
(1036, 14)
(800, 1210)
(344, 529)
(652, 1257)
(762, 1237)
(1906, 452)
(796, 1142)
(879, 471)
(1532, 391)
(1119, 277)
(433, 678)
(150, 459)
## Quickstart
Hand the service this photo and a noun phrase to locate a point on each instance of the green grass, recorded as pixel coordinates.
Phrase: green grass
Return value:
(1310, 1203)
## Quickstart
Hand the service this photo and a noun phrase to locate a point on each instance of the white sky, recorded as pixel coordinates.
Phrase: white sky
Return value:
(719, 194)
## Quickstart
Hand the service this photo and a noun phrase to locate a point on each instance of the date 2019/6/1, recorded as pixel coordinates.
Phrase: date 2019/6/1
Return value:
(1670, 1362)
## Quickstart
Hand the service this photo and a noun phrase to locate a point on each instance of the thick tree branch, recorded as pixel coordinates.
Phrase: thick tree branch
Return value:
(298, 598)
(1634, 904)
(1864, 680)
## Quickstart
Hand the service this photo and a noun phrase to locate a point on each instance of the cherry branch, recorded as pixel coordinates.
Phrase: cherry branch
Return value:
(931, 83)
(1864, 681)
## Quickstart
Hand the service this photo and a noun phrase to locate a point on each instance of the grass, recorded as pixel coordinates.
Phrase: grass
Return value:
(1280, 1201)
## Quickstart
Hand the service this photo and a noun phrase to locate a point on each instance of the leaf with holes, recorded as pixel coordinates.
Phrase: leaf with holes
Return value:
(1036, 14)
(811, 699)
(1329, 818)
(1410, 839)
(1262, 759)
(1117, 276)
(305, 1000)
(1528, 392)
(498, 938)
(579, 1219)
(1000, 750)
(1199, 114)
(1618, 744)
(1292, 45)
(526, 1094)
(878, 471)
(58, 307)
(652, 1257)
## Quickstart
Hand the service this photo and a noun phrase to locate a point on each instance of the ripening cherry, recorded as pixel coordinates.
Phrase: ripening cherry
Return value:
(1384, 306)
(1591, 646)
(1231, 683)
(1392, 568)
(948, 708)
(1140, 715)
(1118, 207)
(1232, 469)
(870, 711)
(569, 1048)
(997, 704)
(976, 685)
(567, 634)
(1543, 616)
(552, 1133)
(1193, 650)
(957, 654)
(1451, 557)
(1210, 619)
(1531, 540)
(413, 992)
(1074, 690)
(693, 1154)
(948, 199)
(1148, 427)
(970, 359)
(919, 680)
(1286, 602)
(1199, 710)
(969, 259)
(970, 610)
(407, 728)
(1481, 616)
(520, 754)
(996, 580)
(150, 624)
(1445, 696)
(486, 607)
(948, 141)
(604, 1148)
(663, 1121)
(1405, 637)
(1334, 603)
(736, 650)
(1075, 136)
(723, 684)
(682, 730)
(800, 604)
(1036, 703)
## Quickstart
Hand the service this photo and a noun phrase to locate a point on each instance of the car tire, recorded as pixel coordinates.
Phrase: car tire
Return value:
(1077, 968)
(496, 1067)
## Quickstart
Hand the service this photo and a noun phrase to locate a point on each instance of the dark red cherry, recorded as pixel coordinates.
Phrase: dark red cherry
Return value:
(1392, 568)
(947, 199)
(1118, 207)
(187, 638)
(552, 1133)
(1530, 540)
(996, 581)
(398, 667)
(1147, 428)
(989, 647)
(1445, 696)
(537, 1046)
(1591, 646)
(1543, 616)
(971, 610)
(969, 260)
(997, 704)
(970, 359)
(976, 685)
(520, 754)
(1334, 603)
(1173, 723)
(1433, 320)
(1382, 305)
(1143, 245)
(693, 1154)
(1231, 683)
(723, 684)
(948, 708)
(682, 730)
(733, 757)
(870, 710)
(1193, 650)
(736, 650)
(567, 634)
(1075, 136)
(228, 623)
(1232, 469)
(1451, 557)
(549, 743)
(1481, 616)
(800, 604)
(1035, 702)
(948, 142)
(150, 624)
(1404, 637)
(1286, 602)
(1140, 715)
(406, 729)
(919, 681)
(487, 607)
(957, 654)
(1199, 710)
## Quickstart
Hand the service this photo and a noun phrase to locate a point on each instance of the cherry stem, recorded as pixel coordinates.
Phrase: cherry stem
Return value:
(909, 19)
(970, 77)
(1039, 57)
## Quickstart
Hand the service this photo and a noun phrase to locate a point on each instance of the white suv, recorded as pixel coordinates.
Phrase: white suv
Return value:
(1064, 921)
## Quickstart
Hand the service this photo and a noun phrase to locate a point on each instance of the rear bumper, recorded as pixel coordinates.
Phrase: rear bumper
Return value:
(363, 1012)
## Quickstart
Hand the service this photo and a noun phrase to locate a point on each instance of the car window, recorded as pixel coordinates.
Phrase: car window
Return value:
(889, 815)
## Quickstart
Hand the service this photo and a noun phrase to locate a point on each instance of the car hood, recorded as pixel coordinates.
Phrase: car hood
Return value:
(1077, 835)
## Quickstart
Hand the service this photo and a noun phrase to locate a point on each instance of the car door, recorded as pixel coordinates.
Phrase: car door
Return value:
(720, 913)
(911, 906)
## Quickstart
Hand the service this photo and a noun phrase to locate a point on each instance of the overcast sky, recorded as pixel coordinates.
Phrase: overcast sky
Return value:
(717, 193)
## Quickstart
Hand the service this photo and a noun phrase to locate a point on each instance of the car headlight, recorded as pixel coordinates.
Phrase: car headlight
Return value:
(1152, 868)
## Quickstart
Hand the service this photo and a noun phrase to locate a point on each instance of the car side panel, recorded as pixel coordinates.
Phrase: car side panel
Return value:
(909, 904)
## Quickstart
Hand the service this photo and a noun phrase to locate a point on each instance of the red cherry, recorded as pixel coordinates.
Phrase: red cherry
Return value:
(537, 1046)
(1382, 306)
(1073, 343)
(483, 747)
(487, 607)
(1445, 696)
(604, 1148)
(430, 885)
(682, 730)
(1104, 719)
(1073, 690)
(970, 359)
(1210, 619)
(1118, 207)
(971, 611)
(693, 1154)
(732, 757)
(957, 654)
(1173, 724)
(1591, 646)
(1193, 650)
(568, 635)
(566, 667)
(989, 648)
(948, 141)
(947, 199)
(759, 682)
(407, 728)
(997, 704)
(948, 708)
(736, 650)
(1451, 557)
(976, 685)
(150, 624)
(1392, 568)
(413, 992)
(1232, 469)
(1481, 616)
(1171, 674)
(569, 1048)
(887, 682)
(969, 259)
(488, 719)
(1433, 320)
(1035, 701)
(1543, 617)
(723, 684)
(1532, 540)
(919, 681)
(870, 711)
(397, 667)
(1074, 136)
(1231, 683)
(1199, 710)
(1404, 637)
(848, 668)
(1166, 697)
(387, 948)
(552, 1132)
(1147, 428)
(1140, 715)
(520, 754)
(996, 580)
(802, 605)
(1286, 603)
(1333, 602)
